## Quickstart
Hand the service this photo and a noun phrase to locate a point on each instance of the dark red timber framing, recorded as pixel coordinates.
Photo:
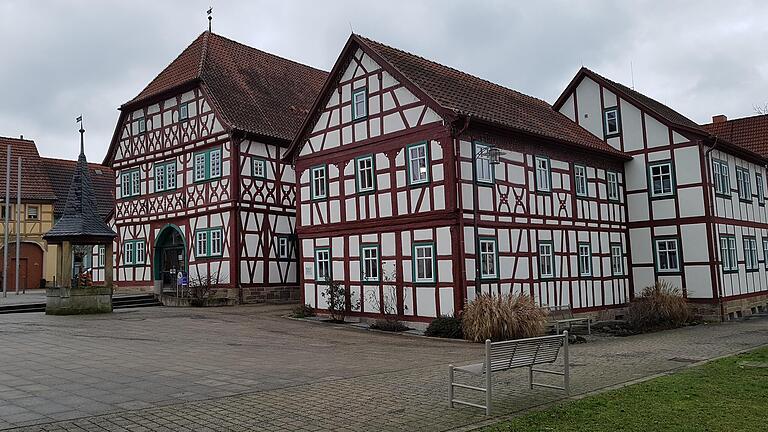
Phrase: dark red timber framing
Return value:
(398, 215)
(206, 106)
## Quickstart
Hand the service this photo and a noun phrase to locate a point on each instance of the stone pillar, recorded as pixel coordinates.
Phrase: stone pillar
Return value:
(108, 265)
(66, 264)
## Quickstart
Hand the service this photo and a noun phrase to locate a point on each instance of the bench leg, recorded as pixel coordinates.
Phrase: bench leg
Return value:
(567, 367)
(530, 377)
(450, 385)
(488, 381)
(557, 328)
(589, 326)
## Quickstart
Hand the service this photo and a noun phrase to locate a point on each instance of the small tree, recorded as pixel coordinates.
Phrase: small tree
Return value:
(387, 305)
(336, 296)
(201, 288)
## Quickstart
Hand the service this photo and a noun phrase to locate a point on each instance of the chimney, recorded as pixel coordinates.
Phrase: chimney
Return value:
(21, 136)
(720, 118)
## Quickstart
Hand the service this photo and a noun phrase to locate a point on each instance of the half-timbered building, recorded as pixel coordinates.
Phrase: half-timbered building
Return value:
(200, 182)
(695, 195)
(420, 186)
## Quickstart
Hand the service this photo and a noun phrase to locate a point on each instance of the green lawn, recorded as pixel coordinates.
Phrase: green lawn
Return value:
(719, 396)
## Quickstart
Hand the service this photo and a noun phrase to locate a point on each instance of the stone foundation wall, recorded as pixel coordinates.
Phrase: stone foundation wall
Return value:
(77, 301)
(270, 294)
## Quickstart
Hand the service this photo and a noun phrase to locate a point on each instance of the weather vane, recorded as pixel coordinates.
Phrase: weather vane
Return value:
(79, 119)
(210, 18)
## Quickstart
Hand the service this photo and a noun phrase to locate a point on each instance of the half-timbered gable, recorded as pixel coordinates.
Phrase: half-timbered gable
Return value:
(199, 182)
(390, 204)
(671, 198)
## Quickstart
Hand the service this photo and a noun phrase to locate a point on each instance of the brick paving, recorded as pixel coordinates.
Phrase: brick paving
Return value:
(246, 368)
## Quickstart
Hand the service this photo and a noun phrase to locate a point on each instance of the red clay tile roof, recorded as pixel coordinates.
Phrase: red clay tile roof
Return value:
(60, 173)
(650, 104)
(750, 133)
(256, 92)
(35, 185)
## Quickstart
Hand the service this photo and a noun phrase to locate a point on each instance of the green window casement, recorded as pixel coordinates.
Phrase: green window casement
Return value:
(483, 166)
(141, 125)
(359, 103)
(207, 164)
(370, 263)
(612, 179)
(323, 271)
(130, 183)
(760, 189)
(743, 184)
(418, 163)
(585, 258)
(661, 179)
(319, 182)
(424, 265)
(580, 180)
(134, 252)
(165, 176)
(611, 122)
(617, 259)
(284, 247)
(751, 262)
(721, 178)
(543, 174)
(489, 258)
(728, 253)
(184, 111)
(546, 259)
(765, 252)
(209, 242)
(365, 174)
(667, 255)
(259, 167)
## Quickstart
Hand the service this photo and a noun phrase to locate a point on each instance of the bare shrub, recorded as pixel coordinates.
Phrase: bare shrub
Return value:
(659, 306)
(336, 296)
(303, 311)
(387, 305)
(503, 317)
(201, 287)
(445, 327)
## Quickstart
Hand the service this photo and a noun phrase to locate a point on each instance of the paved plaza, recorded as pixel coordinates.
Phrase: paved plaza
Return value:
(247, 368)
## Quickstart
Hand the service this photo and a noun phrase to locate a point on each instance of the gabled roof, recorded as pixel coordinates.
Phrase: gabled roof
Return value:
(60, 173)
(750, 133)
(455, 94)
(35, 185)
(80, 223)
(666, 113)
(253, 91)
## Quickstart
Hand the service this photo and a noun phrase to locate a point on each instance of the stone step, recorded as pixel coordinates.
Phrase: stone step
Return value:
(118, 302)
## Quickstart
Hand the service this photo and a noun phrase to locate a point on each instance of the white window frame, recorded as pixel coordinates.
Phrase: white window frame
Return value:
(617, 259)
(667, 250)
(215, 163)
(259, 167)
(102, 254)
(141, 125)
(418, 160)
(365, 169)
(728, 254)
(283, 249)
(201, 243)
(184, 111)
(423, 254)
(359, 103)
(323, 269)
(33, 212)
(489, 258)
(319, 182)
(584, 250)
(125, 184)
(765, 251)
(199, 167)
(607, 121)
(134, 252)
(483, 167)
(128, 253)
(546, 259)
(580, 180)
(721, 177)
(612, 180)
(370, 266)
(543, 174)
(661, 176)
(751, 260)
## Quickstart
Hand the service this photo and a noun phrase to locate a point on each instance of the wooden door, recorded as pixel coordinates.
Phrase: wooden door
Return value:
(30, 266)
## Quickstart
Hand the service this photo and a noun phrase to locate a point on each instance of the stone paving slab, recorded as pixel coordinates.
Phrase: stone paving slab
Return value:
(246, 368)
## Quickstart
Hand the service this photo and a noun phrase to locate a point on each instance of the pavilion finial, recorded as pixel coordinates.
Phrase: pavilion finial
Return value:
(79, 119)
(210, 18)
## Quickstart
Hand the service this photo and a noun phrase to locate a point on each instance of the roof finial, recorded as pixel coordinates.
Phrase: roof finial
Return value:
(79, 119)
(210, 18)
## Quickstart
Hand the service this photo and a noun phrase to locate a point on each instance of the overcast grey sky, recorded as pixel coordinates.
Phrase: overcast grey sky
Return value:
(60, 59)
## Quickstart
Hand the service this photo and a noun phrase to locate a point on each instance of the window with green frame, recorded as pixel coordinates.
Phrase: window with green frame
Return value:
(617, 259)
(423, 262)
(580, 180)
(365, 173)
(370, 264)
(667, 254)
(542, 174)
(418, 163)
(585, 258)
(323, 270)
(612, 179)
(318, 182)
(134, 252)
(130, 183)
(728, 255)
(751, 262)
(721, 177)
(546, 259)
(258, 167)
(359, 103)
(209, 242)
(489, 258)
(661, 179)
(611, 122)
(284, 246)
(207, 164)
(165, 176)
(184, 111)
(483, 166)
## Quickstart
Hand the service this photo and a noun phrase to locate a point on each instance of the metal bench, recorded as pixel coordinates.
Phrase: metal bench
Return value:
(561, 315)
(501, 356)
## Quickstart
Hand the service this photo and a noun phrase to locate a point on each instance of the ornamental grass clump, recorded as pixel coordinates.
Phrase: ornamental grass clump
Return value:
(503, 317)
(659, 306)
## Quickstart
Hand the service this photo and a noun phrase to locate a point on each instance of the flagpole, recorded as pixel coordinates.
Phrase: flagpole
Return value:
(18, 225)
(6, 204)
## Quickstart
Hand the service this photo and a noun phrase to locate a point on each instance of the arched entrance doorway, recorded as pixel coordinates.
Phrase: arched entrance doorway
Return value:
(170, 257)
(30, 266)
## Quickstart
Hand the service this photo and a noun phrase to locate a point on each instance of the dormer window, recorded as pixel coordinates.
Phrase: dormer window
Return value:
(184, 111)
(611, 122)
(359, 103)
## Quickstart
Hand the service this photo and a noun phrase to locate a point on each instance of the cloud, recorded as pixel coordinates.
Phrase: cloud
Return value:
(63, 59)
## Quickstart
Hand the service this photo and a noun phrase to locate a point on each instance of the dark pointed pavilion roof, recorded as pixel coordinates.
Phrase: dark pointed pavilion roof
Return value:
(80, 223)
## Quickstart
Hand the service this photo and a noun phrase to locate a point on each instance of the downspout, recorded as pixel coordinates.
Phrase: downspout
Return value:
(462, 242)
(712, 197)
